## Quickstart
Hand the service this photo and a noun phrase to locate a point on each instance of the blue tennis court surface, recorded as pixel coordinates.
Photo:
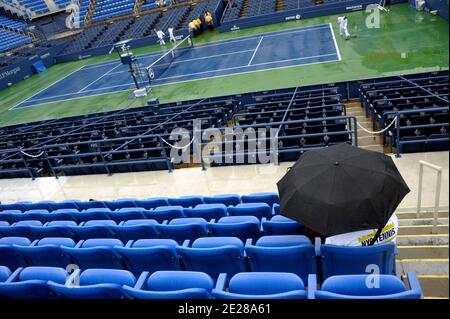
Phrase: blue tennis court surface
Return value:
(295, 47)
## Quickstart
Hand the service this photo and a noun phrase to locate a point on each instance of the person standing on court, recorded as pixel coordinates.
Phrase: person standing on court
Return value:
(343, 27)
(199, 23)
(209, 20)
(161, 36)
(192, 28)
(171, 36)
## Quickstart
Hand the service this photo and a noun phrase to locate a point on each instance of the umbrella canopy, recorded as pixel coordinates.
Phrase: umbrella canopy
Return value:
(341, 189)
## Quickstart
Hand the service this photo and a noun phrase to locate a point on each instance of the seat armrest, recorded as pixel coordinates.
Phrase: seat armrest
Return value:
(312, 286)
(129, 244)
(14, 275)
(317, 244)
(221, 280)
(414, 283)
(142, 280)
(186, 243)
(248, 242)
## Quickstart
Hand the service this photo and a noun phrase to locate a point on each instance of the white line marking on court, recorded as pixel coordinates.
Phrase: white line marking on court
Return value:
(98, 79)
(335, 42)
(256, 50)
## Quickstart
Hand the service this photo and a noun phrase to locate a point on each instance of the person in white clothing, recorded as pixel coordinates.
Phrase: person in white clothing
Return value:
(343, 27)
(364, 237)
(171, 36)
(161, 36)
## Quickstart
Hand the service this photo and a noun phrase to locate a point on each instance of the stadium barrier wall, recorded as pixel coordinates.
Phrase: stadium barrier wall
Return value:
(22, 70)
(298, 14)
(440, 5)
(135, 43)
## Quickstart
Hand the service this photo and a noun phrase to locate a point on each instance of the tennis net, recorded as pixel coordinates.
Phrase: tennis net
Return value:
(160, 66)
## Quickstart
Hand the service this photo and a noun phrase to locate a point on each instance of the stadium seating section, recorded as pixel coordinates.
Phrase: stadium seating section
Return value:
(194, 247)
(10, 40)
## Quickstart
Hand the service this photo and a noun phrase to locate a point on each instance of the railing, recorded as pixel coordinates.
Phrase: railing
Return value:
(438, 170)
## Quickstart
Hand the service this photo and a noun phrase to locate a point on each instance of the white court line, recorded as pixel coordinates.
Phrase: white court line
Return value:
(98, 79)
(256, 50)
(335, 42)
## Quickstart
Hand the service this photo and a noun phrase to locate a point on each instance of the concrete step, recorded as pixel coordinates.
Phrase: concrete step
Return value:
(421, 240)
(417, 252)
(421, 221)
(422, 230)
(433, 286)
(431, 266)
(412, 214)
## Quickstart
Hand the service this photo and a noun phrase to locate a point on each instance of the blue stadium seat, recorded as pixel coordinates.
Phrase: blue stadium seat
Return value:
(66, 204)
(94, 229)
(136, 229)
(5, 273)
(340, 260)
(125, 214)
(31, 283)
(43, 205)
(163, 213)
(36, 214)
(121, 203)
(11, 216)
(2, 223)
(207, 211)
(93, 214)
(258, 210)
(83, 205)
(9, 255)
(276, 209)
(186, 201)
(47, 252)
(355, 287)
(289, 253)
(150, 255)
(260, 285)
(268, 198)
(152, 203)
(180, 229)
(63, 214)
(95, 284)
(20, 229)
(226, 199)
(281, 225)
(242, 227)
(214, 255)
(96, 253)
(57, 228)
(172, 285)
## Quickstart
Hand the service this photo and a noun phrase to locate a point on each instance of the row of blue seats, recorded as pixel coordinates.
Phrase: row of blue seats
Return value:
(12, 24)
(55, 283)
(212, 255)
(10, 40)
(150, 203)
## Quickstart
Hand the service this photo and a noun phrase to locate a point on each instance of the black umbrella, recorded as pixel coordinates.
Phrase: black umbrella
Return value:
(341, 189)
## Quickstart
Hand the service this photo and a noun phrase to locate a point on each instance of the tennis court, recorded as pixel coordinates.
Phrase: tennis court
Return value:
(276, 50)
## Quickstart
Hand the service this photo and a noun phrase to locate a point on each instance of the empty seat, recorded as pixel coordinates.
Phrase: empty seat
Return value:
(95, 284)
(281, 225)
(355, 287)
(181, 229)
(93, 214)
(47, 252)
(136, 229)
(5, 272)
(90, 204)
(268, 198)
(226, 199)
(186, 201)
(258, 210)
(172, 285)
(57, 228)
(10, 216)
(150, 255)
(262, 285)
(152, 203)
(41, 215)
(9, 255)
(94, 229)
(66, 204)
(63, 214)
(163, 213)
(125, 214)
(242, 227)
(96, 253)
(31, 283)
(214, 255)
(289, 253)
(207, 211)
(340, 260)
(121, 203)
(20, 229)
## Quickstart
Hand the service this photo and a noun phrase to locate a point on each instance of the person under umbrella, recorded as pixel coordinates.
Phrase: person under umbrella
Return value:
(344, 189)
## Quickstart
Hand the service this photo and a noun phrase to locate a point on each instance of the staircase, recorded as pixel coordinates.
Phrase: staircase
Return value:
(137, 6)
(279, 5)
(51, 5)
(424, 253)
(90, 13)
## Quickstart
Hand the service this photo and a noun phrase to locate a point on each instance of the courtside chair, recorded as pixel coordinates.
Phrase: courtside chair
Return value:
(94, 284)
(94, 229)
(9, 255)
(281, 225)
(341, 260)
(135, 229)
(165, 213)
(150, 255)
(269, 198)
(288, 253)
(151, 203)
(96, 253)
(186, 201)
(214, 255)
(47, 252)
(181, 229)
(20, 229)
(5, 272)
(172, 285)
(92, 214)
(125, 214)
(57, 228)
(242, 227)
(226, 199)
(31, 283)
(207, 211)
(259, 210)
(355, 287)
(260, 285)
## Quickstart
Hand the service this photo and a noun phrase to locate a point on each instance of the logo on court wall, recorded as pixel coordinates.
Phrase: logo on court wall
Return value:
(151, 73)
(296, 17)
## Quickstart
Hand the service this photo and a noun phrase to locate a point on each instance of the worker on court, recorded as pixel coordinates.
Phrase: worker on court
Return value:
(197, 26)
(343, 27)
(192, 28)
(171, 36)
(200, 27)
(161, 36)
(209, 20)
